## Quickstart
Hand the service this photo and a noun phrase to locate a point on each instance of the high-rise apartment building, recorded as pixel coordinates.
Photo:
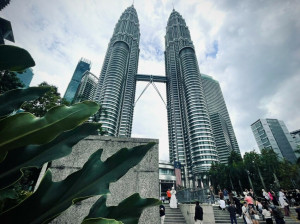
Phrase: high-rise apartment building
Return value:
(116, 86)
(82, 66)
(220, 120)
(191, 140)
(86, 87)
(26, 76)
(273, 134)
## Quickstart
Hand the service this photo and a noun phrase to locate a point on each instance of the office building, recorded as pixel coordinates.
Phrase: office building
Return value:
(273, 134)
(191, 140)
(222, 127)
(116, 87)
(86, 87)
(82, 66)
(167, 178)
(25, 77)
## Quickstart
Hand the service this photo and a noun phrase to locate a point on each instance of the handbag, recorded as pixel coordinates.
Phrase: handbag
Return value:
(256, 217)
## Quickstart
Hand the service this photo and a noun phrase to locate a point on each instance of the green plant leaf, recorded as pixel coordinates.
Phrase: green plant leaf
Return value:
(8, 193)
(128, 211)
(13, 99)
(14, 58)
(52, 198)
(24, 128)
(36, 156)
(102, 221)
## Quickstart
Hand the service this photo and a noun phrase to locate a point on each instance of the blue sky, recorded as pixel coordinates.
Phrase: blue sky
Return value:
(251, 47)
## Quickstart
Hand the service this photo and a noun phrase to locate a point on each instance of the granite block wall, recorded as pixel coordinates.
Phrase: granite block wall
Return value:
(142, 178)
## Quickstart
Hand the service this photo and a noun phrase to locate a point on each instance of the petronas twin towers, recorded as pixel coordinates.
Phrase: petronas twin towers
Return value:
(191, 140)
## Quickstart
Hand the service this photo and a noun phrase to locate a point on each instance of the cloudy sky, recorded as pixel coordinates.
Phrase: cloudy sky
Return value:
(252, 47)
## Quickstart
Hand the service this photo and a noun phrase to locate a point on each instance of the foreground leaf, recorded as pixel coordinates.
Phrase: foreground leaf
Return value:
(14, 58)
(52, 198)
(102, 221)
(13, 99)
(36, 156)
(24, 128)
(127, 212)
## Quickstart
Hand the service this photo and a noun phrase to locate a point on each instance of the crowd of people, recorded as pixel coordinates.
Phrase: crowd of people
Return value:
(248, 206)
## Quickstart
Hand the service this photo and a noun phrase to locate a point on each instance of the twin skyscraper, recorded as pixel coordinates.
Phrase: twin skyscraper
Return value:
(200, 130)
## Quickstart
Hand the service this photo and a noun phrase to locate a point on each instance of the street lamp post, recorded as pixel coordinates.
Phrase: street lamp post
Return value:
(250, 181)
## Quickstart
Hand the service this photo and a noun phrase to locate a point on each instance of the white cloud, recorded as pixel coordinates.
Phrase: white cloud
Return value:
(257, 63)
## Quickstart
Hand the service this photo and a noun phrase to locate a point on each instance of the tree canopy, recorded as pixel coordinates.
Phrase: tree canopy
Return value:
(9, 81)
(41, 105)
(263, 169)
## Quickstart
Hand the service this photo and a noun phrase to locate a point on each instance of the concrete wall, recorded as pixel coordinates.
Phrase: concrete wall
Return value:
(188, 211)
(142, 178)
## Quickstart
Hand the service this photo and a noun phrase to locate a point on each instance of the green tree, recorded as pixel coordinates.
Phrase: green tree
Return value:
(40, 106)
(237, 171)
(9, 81)
(288, 175)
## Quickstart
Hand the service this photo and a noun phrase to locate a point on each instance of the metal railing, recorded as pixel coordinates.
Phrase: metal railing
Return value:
(190, 195)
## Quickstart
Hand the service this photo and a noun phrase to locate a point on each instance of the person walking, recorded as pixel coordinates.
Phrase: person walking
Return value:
(162, 213)
(246, 216)
(267, 214)
(238, 206)
(249, 200)
(232, 212)
(225, 193)
(283, 203)
(169, 195)
(198, 214)
(173, 201)
(271, 196)
(266, 195)
(221, 195)
(254, 216)
(278, 215)
(212, 196)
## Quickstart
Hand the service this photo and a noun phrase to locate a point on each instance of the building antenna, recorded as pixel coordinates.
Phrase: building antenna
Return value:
(132, 2)
(173, 5)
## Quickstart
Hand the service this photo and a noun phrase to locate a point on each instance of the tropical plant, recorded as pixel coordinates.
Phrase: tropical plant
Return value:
(29, 141)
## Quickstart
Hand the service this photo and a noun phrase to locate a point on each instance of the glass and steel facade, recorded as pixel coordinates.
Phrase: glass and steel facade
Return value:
(273, 134)
(216, 105)
(86, 88)
(26, 76)
(116, 87)
(82, 66)
(191, 140)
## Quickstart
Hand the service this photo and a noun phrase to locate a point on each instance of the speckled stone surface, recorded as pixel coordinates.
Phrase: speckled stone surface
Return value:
(142, 178)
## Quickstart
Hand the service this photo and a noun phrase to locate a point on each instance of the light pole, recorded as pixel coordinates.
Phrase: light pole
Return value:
(250, 180)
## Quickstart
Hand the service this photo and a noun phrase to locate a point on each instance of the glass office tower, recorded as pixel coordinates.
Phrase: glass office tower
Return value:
(86, 88)
(116, 87)
(273, 134)
(221, 123)
(191, 140)
(82, 66)
(26, 76)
